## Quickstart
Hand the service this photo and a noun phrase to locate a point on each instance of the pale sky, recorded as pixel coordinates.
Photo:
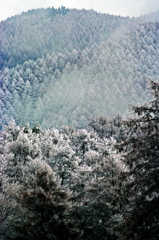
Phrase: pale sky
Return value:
(130, 8)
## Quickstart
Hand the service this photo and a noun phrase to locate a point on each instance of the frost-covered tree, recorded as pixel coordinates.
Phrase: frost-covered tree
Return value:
(98, 164)
(137, 194)
(39, 207)
(33, 204)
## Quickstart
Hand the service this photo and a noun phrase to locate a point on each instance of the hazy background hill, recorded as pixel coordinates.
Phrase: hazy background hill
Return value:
(38, 32)
(61, 66)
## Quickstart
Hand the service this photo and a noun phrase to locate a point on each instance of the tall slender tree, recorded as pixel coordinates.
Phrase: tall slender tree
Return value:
(138, 200)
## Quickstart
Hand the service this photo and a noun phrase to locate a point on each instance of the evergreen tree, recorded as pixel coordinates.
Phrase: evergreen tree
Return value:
(33, 204)
(91, 188)
(40, 207)
(138, 200)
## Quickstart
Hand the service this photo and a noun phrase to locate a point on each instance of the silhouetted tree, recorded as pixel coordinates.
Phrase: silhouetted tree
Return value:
(138, 200)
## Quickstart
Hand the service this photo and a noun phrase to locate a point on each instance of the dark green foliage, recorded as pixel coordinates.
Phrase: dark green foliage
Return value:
(139, 192)
(36, 129)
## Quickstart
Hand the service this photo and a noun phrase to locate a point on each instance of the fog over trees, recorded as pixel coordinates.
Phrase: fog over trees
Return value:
(79, 121)
(66, 67)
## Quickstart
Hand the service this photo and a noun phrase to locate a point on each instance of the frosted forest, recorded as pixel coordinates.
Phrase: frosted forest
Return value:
(79, 126)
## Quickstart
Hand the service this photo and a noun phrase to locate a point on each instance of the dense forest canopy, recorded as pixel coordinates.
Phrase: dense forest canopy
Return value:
(67, 66)
(100, 183)
(38, 32)
(75, 162)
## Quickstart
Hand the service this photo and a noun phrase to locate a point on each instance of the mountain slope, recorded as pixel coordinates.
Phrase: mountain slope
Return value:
(35, 33)
(97, 68)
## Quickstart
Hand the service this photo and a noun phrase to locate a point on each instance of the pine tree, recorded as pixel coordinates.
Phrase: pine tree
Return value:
(39, 206)
(138, 200)
(91, 188)
(33, 204)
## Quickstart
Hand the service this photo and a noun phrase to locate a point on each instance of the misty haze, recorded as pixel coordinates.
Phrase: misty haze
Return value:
(79, 124)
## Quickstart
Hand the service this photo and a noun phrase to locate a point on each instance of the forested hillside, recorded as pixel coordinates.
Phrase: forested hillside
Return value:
(72, 164)
(66, 67)
(38, 32)
(100, 184)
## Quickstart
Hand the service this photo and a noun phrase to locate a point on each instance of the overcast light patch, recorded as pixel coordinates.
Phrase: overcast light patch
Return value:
(130, 8)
